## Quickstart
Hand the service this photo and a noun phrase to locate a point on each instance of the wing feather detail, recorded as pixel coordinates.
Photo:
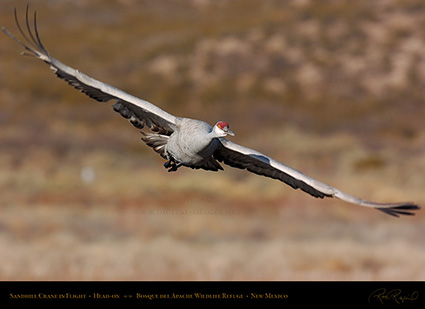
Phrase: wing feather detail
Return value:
(244, 158)
(144, 112)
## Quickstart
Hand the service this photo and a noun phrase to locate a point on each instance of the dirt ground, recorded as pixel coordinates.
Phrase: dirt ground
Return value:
(135, 222)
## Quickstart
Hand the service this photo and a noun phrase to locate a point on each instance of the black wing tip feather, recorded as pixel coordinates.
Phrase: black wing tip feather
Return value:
(405, 209)
(32, 42)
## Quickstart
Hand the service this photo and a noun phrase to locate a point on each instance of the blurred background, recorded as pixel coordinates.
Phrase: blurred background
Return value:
(332, 88)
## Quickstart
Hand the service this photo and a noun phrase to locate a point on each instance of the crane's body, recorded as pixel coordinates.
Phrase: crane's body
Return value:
(189, 142)
(193, 144)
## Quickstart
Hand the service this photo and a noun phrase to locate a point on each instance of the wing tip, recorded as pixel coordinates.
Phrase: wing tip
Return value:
(400, 209)
(30, 37)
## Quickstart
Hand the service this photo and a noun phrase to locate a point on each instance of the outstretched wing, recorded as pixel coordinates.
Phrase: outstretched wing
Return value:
(244, 158)
(139, 112)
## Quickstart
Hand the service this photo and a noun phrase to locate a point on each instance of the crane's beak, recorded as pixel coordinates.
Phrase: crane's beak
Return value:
(230, 132)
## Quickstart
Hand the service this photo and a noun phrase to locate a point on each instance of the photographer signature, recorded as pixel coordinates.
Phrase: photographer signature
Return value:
(382, 295)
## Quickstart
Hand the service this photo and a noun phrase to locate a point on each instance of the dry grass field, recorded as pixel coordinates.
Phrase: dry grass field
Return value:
(332, 88)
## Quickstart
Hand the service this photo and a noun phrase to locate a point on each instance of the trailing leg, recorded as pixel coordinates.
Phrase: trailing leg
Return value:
(174, 167)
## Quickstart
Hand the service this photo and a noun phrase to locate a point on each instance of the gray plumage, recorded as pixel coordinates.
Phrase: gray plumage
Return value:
(188, 142)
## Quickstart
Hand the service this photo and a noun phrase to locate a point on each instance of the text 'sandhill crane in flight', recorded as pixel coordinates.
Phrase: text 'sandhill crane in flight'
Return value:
(189, 142)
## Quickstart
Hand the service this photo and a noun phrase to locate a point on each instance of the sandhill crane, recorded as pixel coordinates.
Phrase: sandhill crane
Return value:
(188, 142)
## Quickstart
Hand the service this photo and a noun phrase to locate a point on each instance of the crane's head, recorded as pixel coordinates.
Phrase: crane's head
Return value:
(221, 129)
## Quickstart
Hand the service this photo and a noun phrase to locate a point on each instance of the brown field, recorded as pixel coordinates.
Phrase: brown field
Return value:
(332, 88)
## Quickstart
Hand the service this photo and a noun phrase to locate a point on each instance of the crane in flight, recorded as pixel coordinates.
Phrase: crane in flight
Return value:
(188, 142)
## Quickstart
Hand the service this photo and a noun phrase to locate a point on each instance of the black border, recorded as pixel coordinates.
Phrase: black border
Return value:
(276, 293)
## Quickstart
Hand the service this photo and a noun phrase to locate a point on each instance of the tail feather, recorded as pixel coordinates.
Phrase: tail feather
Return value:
(156, 141)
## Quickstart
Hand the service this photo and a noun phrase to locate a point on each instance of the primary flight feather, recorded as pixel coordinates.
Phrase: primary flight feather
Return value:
(188, 142)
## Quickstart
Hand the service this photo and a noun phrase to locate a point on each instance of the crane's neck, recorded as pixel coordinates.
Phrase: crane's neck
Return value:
(212, 134)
